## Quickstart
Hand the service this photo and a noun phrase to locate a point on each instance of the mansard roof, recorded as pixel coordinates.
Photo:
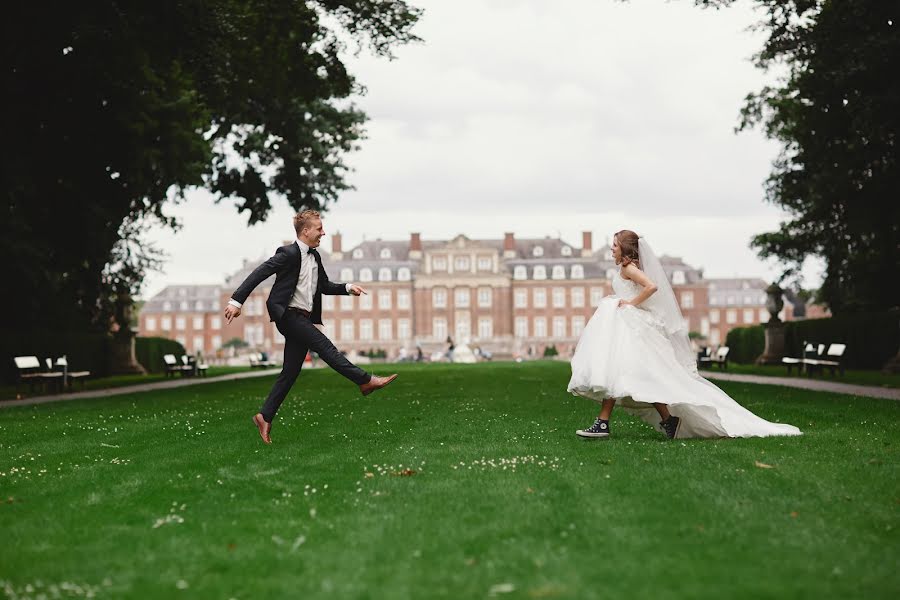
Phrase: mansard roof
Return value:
(195, 297)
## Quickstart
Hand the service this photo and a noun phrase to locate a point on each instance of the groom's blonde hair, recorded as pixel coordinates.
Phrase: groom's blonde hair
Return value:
(304, 218)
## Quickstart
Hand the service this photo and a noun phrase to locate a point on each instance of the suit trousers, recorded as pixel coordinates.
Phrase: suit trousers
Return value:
(301, 336)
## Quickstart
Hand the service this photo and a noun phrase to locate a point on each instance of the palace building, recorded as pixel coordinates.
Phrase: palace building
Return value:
(511, 296)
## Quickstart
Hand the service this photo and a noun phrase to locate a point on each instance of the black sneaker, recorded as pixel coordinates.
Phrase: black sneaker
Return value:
(600, 429)
(670, 426)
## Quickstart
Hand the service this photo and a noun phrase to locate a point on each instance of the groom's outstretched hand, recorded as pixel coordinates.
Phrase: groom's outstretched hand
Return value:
(231, 312)
(357, 291)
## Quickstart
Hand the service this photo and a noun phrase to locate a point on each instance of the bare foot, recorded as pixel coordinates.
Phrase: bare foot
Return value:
(263, 426)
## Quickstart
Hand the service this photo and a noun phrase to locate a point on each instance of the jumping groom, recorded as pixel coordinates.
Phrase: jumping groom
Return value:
(295, 305)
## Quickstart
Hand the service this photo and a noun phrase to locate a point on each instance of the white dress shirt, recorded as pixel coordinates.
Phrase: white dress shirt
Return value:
(306, 283)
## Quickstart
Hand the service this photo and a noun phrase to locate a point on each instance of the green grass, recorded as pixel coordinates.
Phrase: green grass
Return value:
(171, 494)
(854, 376)
(8, 392)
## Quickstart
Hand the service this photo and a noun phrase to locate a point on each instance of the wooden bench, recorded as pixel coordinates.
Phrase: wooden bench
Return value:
(831, 360)
(68, 376)
(29, 370)
(173, 366)
(703, 356)
(259, 359)
(791, 362)
(196, 367)
(719, 358)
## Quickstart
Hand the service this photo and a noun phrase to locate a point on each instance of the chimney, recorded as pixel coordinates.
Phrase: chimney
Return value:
(415, 246)
(587, 245)
(336, 252)
(509, 245)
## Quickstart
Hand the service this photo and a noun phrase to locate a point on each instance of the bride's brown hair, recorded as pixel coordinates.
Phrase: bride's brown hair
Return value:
(628, 242)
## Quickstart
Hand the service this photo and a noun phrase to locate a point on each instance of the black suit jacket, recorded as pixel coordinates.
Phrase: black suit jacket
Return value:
(285, 265)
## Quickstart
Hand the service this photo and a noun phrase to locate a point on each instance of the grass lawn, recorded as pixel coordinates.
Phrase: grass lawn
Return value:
(8, 392)
(171, 494)
(859, 377)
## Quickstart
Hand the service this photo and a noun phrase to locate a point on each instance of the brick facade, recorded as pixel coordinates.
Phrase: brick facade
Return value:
(509, 296)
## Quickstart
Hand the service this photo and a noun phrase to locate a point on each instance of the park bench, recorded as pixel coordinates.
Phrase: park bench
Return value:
(173, 366)
(29, 371)
(62, 363)
(790, 361)
(831, 360)
(197, 367)
(261, 360)
(703, 356)
(719, 357)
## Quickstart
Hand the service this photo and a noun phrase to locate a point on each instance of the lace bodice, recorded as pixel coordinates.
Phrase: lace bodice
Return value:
(625, 288)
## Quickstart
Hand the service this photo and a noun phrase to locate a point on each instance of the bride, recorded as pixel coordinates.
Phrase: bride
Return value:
(635, 348)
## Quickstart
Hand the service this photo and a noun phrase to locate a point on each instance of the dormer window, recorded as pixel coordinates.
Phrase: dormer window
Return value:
(678, 278)
(365, 274)
(540, 272)
(357, 253)
(538, 251)
(167, 306)
(384, 274)
(403, 274)
(385, 253)
(559, 272)
(346, 274)
(566, 251)
(520, 273)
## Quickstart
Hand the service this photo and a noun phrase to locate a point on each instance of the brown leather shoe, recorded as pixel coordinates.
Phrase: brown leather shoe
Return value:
(264, 428)
(376, 383)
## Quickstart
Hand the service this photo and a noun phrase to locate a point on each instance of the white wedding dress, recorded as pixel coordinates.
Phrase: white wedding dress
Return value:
(624, 353)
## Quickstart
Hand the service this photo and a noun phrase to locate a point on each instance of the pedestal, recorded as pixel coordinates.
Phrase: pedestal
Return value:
(892, 366)
(774, 350)
(122, 360)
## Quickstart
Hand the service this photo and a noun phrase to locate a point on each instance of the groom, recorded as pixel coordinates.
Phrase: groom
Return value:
(295, 305)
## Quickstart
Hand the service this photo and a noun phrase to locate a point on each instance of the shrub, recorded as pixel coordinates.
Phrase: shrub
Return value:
(871, 338)
(745, 343)
(150, 351)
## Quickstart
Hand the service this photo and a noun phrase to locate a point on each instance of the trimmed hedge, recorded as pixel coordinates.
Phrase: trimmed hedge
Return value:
(150, 350)
(85, 351)
(745, 343)
(871, 338)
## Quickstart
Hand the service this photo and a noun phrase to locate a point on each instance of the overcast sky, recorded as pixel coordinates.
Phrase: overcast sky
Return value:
(541, 118)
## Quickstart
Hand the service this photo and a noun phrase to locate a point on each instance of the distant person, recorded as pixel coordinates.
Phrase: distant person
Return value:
(450, 348)
(419, 356)
(295, 305)
(636, 348)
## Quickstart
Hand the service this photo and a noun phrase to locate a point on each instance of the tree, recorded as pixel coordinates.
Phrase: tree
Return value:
(837, 114)
(119, 107)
